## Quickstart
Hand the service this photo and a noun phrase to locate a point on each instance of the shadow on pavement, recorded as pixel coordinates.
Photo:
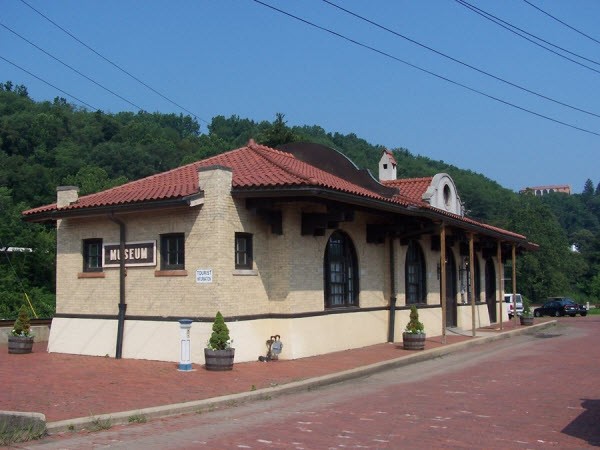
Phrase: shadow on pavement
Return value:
(587, 425)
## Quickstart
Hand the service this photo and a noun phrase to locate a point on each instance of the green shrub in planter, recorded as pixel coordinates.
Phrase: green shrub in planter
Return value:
(219, 339)
(22, 326)
(218, 354)
(413, 337)
(20, 340)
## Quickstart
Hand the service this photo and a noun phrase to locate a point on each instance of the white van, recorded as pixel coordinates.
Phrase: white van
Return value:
(508, 303)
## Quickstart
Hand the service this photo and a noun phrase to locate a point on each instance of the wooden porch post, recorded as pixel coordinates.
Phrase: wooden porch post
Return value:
(443, 278)
(472, 278)
(514, 281)
(500, 280)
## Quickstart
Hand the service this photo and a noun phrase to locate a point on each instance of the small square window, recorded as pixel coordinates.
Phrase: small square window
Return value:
(243, 251)
(172, 251)
(92, 255)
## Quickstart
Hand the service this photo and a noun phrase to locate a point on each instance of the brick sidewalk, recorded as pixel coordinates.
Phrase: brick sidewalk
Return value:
(63, 386)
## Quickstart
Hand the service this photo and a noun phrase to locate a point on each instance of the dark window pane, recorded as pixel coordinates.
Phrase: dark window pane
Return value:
(172, 249)
(415, 274)
(341, 272)
(92, 255)
(243, 251)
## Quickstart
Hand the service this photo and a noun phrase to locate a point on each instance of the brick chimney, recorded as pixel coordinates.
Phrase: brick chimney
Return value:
(66, 195)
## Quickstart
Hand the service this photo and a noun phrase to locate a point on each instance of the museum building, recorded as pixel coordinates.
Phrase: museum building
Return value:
(295, 241)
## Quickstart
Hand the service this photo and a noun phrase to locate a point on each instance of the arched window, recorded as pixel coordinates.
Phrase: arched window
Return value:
(340, 272)
(414, 274)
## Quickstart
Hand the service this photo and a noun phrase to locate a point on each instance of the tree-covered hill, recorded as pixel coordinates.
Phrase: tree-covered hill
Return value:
(51, 143)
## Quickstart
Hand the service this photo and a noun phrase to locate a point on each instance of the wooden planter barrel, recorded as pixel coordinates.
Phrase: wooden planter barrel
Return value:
(219, 359)
(20, 344)
(526, 320)
(413, 341)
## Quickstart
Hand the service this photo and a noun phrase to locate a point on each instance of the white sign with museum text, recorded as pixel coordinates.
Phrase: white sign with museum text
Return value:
(142, 253)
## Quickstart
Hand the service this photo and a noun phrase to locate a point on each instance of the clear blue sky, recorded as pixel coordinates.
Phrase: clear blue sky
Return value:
(240, 57)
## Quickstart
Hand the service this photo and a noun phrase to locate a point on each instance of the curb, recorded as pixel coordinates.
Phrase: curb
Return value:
(31, 423)
(197, 406)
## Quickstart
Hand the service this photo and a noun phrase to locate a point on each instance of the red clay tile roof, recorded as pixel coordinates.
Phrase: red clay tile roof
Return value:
(413, 188)
(253, 167)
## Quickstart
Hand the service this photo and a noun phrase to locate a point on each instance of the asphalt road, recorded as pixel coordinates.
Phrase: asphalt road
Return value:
(526, 392)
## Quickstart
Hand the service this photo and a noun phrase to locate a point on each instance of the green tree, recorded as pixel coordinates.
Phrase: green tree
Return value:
(545, 272)
(595, 287)
(588, 189)
(92, 179)
(277, 133)
(24, 272)
(234, 131)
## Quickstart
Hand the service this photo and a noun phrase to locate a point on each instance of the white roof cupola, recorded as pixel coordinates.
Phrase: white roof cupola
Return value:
(387, 166)
(442, 194)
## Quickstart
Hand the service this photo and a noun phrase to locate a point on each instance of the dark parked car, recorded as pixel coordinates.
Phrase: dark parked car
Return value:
(559, 306)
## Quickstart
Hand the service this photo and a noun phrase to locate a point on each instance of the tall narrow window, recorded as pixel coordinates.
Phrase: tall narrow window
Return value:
(415, 274)
(341, 272)
(172, 251)
(92, 255)
(243, 251)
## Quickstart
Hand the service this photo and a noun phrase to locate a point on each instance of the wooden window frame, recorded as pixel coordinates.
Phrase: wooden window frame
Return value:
(172, 258)
(415, 275)
(88, 245)
(243, 255)
(341, 281)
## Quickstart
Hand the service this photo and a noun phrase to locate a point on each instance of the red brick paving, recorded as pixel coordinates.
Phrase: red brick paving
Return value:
(64, 386)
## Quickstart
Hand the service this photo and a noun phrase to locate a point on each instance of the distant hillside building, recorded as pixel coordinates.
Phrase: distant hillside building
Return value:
(543, 190)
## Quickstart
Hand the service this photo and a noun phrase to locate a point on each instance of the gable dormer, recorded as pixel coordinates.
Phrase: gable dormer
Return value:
(442, 194)
(387, 166)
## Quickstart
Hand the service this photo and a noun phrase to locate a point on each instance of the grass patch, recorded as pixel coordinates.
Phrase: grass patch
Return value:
(99, 424)
(594, 311)
(9, 436)
(137, 418)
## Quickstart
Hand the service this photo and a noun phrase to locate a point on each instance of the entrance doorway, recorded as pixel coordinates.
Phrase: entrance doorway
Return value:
(490, 289)
(451, 312)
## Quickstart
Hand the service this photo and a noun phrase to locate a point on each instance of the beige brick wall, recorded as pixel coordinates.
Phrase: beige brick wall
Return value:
(288, 269)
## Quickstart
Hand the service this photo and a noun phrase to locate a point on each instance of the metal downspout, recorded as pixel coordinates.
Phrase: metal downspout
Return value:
(392, 315)
(122, 304)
